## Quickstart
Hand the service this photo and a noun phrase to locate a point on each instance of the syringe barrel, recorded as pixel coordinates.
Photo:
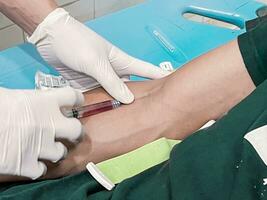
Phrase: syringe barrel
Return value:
(89, 110)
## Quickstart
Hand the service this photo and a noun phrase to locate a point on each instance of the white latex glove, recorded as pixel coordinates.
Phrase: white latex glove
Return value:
(30, 122)
(63, 41)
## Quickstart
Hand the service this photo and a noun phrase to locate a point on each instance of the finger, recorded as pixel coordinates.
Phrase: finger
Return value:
(69, 128)
(128, 65)
(35, 171)
(60, 152)
(68, 96)
(146, 70)
(54, 152)
(114, 85)
(42, 167)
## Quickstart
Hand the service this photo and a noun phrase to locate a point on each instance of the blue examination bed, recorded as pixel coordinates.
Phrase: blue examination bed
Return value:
(155, 31)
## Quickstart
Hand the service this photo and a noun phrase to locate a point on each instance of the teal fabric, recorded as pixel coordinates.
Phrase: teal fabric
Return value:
(215, 163)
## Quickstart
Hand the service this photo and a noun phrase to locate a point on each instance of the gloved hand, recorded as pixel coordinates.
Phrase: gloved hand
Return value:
(30, 122)
(63, 41)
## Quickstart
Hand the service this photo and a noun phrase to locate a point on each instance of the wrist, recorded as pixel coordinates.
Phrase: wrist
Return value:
(39, 15)
(51, 21)
(27, 14)
(1, 5)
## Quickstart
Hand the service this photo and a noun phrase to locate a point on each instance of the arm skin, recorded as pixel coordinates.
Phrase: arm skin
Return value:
(173, 107)
(27, 14)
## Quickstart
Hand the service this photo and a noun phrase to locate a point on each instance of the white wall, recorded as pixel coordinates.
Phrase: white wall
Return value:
(263, 1)
(83, 10)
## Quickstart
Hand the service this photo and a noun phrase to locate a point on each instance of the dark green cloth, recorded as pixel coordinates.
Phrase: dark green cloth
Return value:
(215, 163)
(253, 47)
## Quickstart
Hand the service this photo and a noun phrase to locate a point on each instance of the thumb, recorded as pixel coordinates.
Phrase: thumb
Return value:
(110, 81)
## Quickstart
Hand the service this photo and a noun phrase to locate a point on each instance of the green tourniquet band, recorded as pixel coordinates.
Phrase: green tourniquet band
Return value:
(253, 47)
(137, 161)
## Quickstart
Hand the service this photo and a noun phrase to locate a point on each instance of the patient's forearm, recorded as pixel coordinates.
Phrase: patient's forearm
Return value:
(28, 14)
(206, 88)
(112, 133)
(173, 107)
(85, 151)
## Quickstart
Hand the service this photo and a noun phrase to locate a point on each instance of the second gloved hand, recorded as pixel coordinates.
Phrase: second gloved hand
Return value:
(63, 41)
(30, 123)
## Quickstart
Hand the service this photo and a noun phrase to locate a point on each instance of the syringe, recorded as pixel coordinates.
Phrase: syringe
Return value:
(89, 110)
